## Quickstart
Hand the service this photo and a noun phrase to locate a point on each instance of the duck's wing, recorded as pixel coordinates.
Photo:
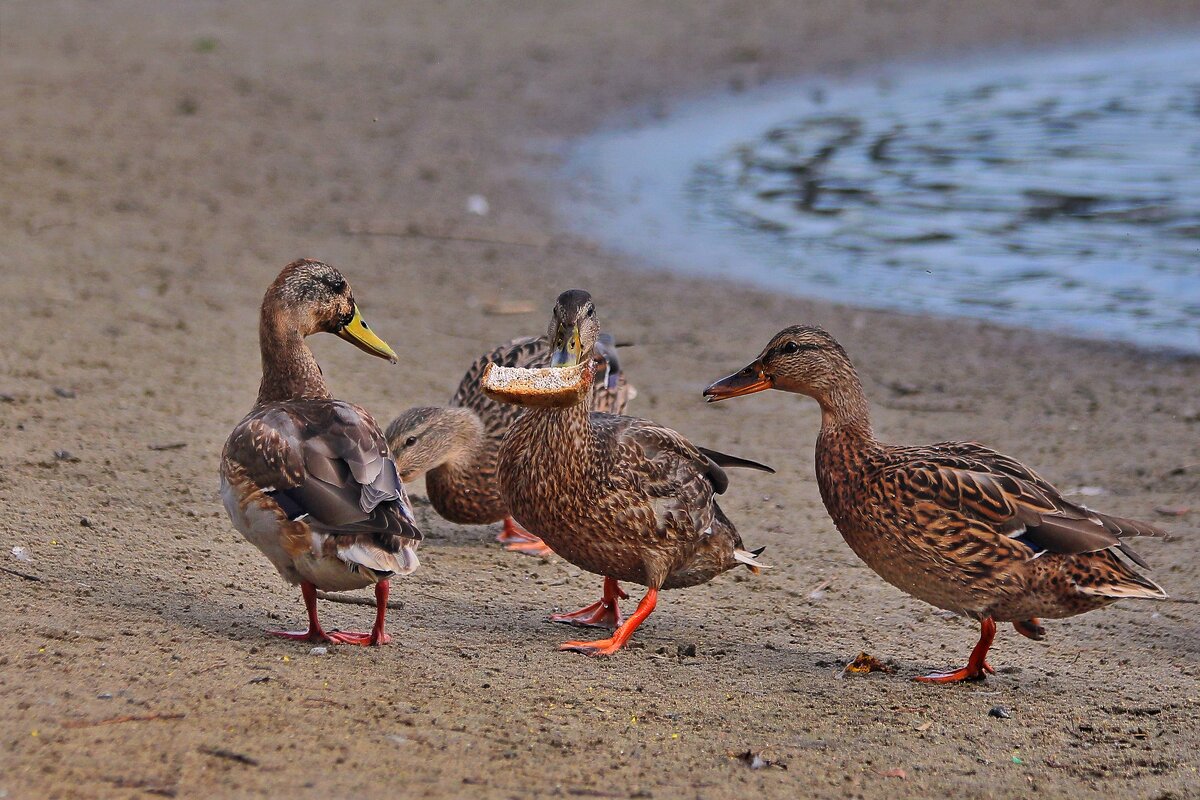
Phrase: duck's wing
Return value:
(680, 481)
(326, 463)
(1001, 494)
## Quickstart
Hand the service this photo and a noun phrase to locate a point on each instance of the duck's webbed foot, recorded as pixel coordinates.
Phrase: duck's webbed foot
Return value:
(606, 647)
(317, 634)
(977, 667)
(604, 613)
(519, 540)
(1031, 628)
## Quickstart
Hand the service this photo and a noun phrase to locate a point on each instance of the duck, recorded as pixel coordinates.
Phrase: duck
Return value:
(308, 479)
(618, 496)
(955, 524)
(456, 446)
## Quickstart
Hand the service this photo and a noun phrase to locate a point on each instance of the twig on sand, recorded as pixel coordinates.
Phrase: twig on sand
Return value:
(229, 755)
(89, 723)
(19, 574)
(352, 600)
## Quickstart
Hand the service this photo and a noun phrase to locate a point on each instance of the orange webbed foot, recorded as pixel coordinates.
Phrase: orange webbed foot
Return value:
(315, 636)
(977, 667)
(518, 540)
(604, 613)
(606, 647)
(601, 647)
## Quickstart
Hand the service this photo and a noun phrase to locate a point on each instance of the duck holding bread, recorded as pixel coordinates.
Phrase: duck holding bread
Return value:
(456, 446)
(618, 496)
(955, 524)
(308, 479)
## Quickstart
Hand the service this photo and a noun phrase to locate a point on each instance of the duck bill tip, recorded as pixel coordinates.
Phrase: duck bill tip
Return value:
(748, 381)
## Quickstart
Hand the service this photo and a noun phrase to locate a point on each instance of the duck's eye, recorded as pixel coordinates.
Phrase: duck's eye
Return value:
(791, 348)
(591, 312)
(410, 441)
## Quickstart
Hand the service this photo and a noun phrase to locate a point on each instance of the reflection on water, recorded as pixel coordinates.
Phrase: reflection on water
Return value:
(1059, 192)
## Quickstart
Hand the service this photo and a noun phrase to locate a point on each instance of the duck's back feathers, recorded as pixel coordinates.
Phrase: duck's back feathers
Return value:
(990, 493)
(325, 462)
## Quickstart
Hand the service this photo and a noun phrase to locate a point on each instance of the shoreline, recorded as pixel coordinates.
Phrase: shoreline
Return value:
(627, 187)
(163, 163)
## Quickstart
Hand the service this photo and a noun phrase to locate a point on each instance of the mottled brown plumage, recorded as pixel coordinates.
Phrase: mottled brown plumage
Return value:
(306, 478)
(955, 524)
(618, 496)
(456, 447)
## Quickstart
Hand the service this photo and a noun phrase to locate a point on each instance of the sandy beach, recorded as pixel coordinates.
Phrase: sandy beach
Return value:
(159, 164)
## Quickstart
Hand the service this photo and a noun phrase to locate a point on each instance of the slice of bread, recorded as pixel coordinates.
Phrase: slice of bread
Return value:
(550, 387)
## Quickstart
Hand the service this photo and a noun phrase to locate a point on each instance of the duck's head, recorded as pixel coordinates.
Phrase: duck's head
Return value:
(424, 438)
(313, 297)
(801, 359)
(573, 330)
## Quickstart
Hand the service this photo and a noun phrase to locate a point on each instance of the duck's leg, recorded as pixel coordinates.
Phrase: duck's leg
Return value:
(314, 632)
(606, 647)
(519, 540)
(604, 613)
(377, 635)
(977, 666)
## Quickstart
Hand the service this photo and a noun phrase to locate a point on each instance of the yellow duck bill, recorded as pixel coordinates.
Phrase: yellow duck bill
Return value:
(567, 349)
(357, 333)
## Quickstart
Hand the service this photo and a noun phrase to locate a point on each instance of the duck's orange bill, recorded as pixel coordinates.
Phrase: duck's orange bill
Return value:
(749, 380)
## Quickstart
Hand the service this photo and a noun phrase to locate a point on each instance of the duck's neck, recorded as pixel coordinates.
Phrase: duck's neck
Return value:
(845, 412)
(562, 434)
(465, 444)
(289, 370)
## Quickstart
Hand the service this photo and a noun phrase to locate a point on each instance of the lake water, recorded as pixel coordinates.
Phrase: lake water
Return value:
(1056, 191)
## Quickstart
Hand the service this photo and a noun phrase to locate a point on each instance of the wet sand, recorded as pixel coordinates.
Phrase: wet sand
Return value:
(159, 165)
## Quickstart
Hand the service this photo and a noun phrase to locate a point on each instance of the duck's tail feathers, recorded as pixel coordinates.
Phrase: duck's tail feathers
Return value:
(402, 562)
(750, 559)
(1128, 585)
(726, 460)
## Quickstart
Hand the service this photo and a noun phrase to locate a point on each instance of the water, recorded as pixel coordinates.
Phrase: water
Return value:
(1056, 191)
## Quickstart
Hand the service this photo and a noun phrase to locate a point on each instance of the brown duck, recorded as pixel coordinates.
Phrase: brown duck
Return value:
(621, 497)
(307, 478)
(456, 447)
(955, 524)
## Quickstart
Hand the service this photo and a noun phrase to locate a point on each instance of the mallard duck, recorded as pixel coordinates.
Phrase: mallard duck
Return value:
(307, 478)
(457, 446)
(955, 524)
(618, 496)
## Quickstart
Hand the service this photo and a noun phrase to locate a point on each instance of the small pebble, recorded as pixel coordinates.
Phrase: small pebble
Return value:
(104, 696)
(61, 392)
(477, 204)
(1000, 712)
(86, 522)
(686, 650)
(319, 651)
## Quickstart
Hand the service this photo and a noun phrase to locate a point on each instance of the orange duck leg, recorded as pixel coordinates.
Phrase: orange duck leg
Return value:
(606, 647)
(519, 540)
(977, 666)
(604, 613)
